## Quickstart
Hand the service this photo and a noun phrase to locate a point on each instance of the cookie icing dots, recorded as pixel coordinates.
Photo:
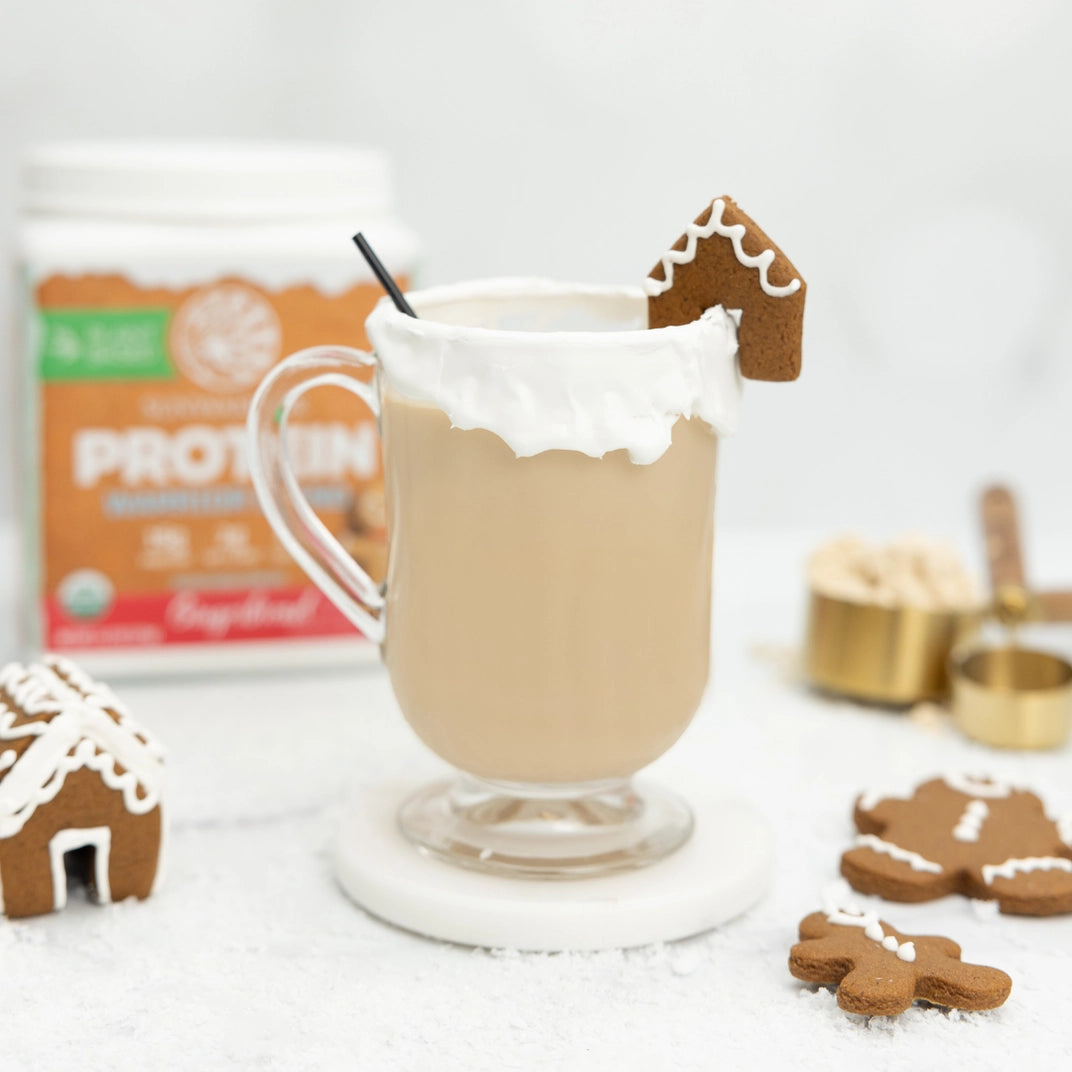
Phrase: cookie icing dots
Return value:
(841, 949)
(971, 822)
(872, 929)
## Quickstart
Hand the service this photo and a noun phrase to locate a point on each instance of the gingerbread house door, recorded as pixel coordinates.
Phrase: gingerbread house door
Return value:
(96, 838)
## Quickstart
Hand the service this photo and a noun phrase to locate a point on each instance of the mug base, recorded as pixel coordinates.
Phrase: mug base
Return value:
(721, 871)
(545, 831)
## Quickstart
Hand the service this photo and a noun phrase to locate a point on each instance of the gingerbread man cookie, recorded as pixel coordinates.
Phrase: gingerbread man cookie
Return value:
(880, 972)
(724, 258)
(975, 836)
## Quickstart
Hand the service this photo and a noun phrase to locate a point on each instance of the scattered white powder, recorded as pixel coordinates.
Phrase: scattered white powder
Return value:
(911, 572)
(250, 957)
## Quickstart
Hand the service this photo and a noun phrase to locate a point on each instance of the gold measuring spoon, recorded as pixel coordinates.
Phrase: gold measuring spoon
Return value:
(1008, 695)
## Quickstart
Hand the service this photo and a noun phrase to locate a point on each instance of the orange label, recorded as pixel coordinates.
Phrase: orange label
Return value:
(149, 529)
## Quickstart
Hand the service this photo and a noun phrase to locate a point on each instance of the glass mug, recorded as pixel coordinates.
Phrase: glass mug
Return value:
(545, 619)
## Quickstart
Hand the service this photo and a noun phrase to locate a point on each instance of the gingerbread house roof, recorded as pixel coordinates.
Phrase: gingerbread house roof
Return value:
(55, 719)
(725, 258)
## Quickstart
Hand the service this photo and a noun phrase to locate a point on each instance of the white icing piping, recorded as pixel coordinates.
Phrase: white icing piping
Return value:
(869, 799)
(913, 859)
(873, 930)
(91, 731)
(734, 232)
(15, 810)
(10, 732)
(75, 678)
(971, 786)
(29, 689)
(7, 758)
(1011, 867)
(55, 685)
(971, 821)
(81, 688)
(64, 841)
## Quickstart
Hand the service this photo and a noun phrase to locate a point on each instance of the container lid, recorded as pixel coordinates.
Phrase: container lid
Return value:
(206, 181)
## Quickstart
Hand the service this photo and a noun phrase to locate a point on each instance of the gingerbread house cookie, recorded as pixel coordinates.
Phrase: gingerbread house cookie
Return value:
(80, 788)
(724, 258)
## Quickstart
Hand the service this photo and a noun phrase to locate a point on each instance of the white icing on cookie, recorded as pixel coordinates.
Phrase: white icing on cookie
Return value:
(735, 233)
(888, 848)
(1010, 868)
(872, 929)
(838, 897)
(10, 732)
(92, 731)
(971, 821)
(28, 690)
(869, 799)
(972, 786)
(844, 918)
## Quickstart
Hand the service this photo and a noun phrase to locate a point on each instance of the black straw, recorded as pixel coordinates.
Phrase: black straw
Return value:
(383, 275)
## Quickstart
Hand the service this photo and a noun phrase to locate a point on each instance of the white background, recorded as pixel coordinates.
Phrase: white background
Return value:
(914, 161)
(912, 158)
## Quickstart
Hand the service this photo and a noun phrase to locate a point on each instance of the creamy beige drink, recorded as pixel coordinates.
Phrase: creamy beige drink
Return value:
(547, 616)
(549, 476)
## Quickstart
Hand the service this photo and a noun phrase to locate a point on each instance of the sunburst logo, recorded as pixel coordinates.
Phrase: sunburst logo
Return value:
(226, 337)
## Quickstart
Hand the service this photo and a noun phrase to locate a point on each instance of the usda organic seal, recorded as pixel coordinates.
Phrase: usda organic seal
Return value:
(86, 594)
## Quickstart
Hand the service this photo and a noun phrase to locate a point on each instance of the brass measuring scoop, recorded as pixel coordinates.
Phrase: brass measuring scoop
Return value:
(893, 655)
(1008, 695)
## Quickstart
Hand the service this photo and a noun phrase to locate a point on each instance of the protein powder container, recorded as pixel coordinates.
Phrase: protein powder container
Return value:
(157, 284)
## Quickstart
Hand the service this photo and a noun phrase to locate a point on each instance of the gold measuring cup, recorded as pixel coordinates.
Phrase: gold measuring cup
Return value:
(887, 655)
(1008, 695)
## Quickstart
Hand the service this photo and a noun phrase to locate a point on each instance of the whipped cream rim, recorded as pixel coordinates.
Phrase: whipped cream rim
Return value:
(520, 287)
(573, 368)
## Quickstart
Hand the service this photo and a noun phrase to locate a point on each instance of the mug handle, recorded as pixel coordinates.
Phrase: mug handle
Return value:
(301, 532)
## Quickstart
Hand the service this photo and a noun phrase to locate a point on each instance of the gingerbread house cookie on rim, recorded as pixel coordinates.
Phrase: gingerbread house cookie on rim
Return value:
(724, 258)
(77, 775)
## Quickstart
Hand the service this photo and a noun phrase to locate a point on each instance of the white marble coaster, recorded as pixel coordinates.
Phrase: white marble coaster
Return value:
(724, 869)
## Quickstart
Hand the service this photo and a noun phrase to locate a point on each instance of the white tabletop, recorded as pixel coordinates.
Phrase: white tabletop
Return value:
(250, 956)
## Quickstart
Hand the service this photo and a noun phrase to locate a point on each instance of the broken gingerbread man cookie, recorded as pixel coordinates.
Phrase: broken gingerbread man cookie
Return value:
(878, 971)
(724, 258)
(958, 834)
